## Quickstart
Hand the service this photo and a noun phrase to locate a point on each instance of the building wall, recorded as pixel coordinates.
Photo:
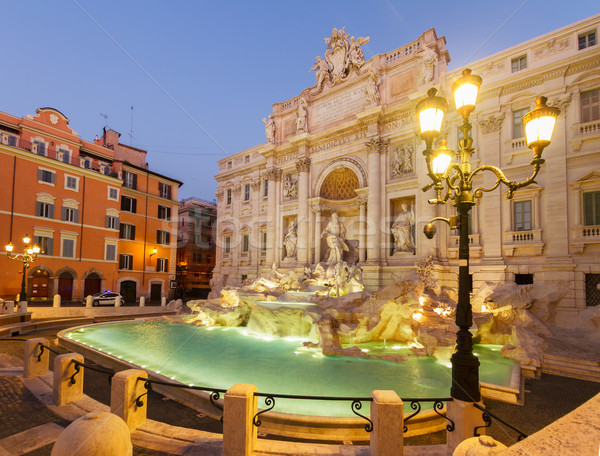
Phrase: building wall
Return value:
(95, 172)
(372, 144)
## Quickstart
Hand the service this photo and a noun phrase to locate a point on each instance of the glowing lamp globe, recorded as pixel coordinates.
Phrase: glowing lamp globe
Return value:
(539, 124)
(9, 247)
(431, 113)
(442, 159)
(465, 91)
(26, 239)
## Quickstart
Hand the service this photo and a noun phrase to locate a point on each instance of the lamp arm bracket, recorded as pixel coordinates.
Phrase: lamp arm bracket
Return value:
(451, 221)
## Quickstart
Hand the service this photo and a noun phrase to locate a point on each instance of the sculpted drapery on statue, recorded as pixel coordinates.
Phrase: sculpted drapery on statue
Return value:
(343, 53)
(402, 229)
(290, 241)
(290, 187)
(301, 116)
(270, 128)
(336, 239)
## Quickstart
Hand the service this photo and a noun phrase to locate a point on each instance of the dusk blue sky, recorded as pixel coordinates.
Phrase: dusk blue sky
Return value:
(201, 75)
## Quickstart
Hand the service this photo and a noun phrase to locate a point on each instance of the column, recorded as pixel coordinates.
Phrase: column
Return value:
(255, 243)
(375, 147)
(236, 243)
(273, 175)
(362, 235)
(317, 210)
(303, 167)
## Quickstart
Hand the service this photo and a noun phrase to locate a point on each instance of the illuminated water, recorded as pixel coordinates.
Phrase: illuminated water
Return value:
(219, 357)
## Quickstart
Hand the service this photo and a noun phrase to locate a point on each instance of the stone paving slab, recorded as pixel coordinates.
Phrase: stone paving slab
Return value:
(32, 439)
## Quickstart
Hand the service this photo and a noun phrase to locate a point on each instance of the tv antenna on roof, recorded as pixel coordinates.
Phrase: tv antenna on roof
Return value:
(105, 120)
(131, 129)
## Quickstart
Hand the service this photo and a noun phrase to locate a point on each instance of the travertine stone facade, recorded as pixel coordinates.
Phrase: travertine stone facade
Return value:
(349, 145)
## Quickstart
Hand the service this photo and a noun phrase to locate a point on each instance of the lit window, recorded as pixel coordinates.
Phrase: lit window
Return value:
(591, 208)
(46, 176)
(518, 129)
(519, 63)
(590, 106)
(587, 39)
(522, 211)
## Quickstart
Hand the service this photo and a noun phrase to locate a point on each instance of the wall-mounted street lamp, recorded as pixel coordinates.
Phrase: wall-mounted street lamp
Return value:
(453, 180)
(153, 252)
(29, 254)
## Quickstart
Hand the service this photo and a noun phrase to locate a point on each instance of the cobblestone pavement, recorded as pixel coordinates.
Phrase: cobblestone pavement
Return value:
(546, 400)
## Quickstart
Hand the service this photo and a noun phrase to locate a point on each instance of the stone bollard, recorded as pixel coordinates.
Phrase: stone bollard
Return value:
(63, 390)
(387, 414)
(239, 433)
(7, 307)
(163, 302)
(21, 307)
(31, 366)
(484, 445)
(93, 434)
(56, 301)
(88, 301)
(117, 301)
(466, 418)
(142, 301)
(124, 391)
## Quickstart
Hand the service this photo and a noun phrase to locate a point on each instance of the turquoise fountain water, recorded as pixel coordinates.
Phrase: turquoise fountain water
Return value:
(219, 357)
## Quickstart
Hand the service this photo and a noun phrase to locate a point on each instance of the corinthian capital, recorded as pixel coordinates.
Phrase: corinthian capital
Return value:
(273, 174)
(303, 165)
(377, 145)
(491, 124)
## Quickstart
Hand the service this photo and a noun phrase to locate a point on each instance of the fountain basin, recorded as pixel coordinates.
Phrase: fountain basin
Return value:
(220, 357)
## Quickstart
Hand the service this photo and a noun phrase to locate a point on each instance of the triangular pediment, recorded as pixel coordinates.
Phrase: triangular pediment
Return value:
(589, 177)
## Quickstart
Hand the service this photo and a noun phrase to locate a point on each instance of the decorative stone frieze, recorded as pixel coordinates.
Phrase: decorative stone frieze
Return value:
(552, 46)
(255, 184)
(402, 160)
(377, 145)
(237, 189)
(491, 124)
(273, 174)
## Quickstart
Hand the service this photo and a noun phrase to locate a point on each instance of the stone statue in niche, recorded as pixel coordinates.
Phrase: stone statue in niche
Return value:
(402, 230)
(290, 241)
(428, 59)
(301, 116)
(270, 128)
(336, 239)
(290, 189)
(402, 160)
(372, 91)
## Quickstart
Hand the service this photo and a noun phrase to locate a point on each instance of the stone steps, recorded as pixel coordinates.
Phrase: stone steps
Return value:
(570, 367)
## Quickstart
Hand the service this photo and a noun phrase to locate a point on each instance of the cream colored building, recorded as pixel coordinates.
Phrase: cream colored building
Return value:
(350, 145)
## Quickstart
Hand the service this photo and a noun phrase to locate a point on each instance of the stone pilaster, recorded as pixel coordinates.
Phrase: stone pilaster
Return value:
(318, 211)
(274, 176)
(362, 235)
(376, 147)
(303, 167)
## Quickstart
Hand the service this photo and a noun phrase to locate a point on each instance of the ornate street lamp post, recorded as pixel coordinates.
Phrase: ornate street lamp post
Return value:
(453, 180)
(29, 254)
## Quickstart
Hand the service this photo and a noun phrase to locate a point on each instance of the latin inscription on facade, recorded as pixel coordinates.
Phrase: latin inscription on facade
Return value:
(338, 142)
(347, 103)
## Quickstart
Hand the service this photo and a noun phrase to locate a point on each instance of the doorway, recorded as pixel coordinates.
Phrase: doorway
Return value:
(91, 285)
(155, 291)
(65, 286)
(40, 282)
(128, 290)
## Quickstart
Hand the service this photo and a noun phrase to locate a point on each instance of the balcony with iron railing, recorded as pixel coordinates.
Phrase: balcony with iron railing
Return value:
(584, 235)
(526, 242)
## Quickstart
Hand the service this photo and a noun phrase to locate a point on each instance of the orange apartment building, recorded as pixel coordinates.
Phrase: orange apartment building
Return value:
(102, 219)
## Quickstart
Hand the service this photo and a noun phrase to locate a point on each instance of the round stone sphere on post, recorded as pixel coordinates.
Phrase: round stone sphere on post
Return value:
(93, 434)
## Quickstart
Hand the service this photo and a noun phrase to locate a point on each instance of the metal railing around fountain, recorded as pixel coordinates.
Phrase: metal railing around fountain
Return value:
(356, 404)
(487, 419)
(214, 396)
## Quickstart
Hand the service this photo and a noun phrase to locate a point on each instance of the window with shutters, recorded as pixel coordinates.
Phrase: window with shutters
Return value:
(164, 212)
(70, 214)
(164, 190)
(71, 182)
(128, 204)
(47, 177)
(110, 251)
(127, 231)
(45, 243)
(64, 155)
(126, 261)
(68, 248)
(113, 193)
(112, 222)
(162, 265)
(38, 147)
(43, 209)
(129, 180)
(163, 237)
